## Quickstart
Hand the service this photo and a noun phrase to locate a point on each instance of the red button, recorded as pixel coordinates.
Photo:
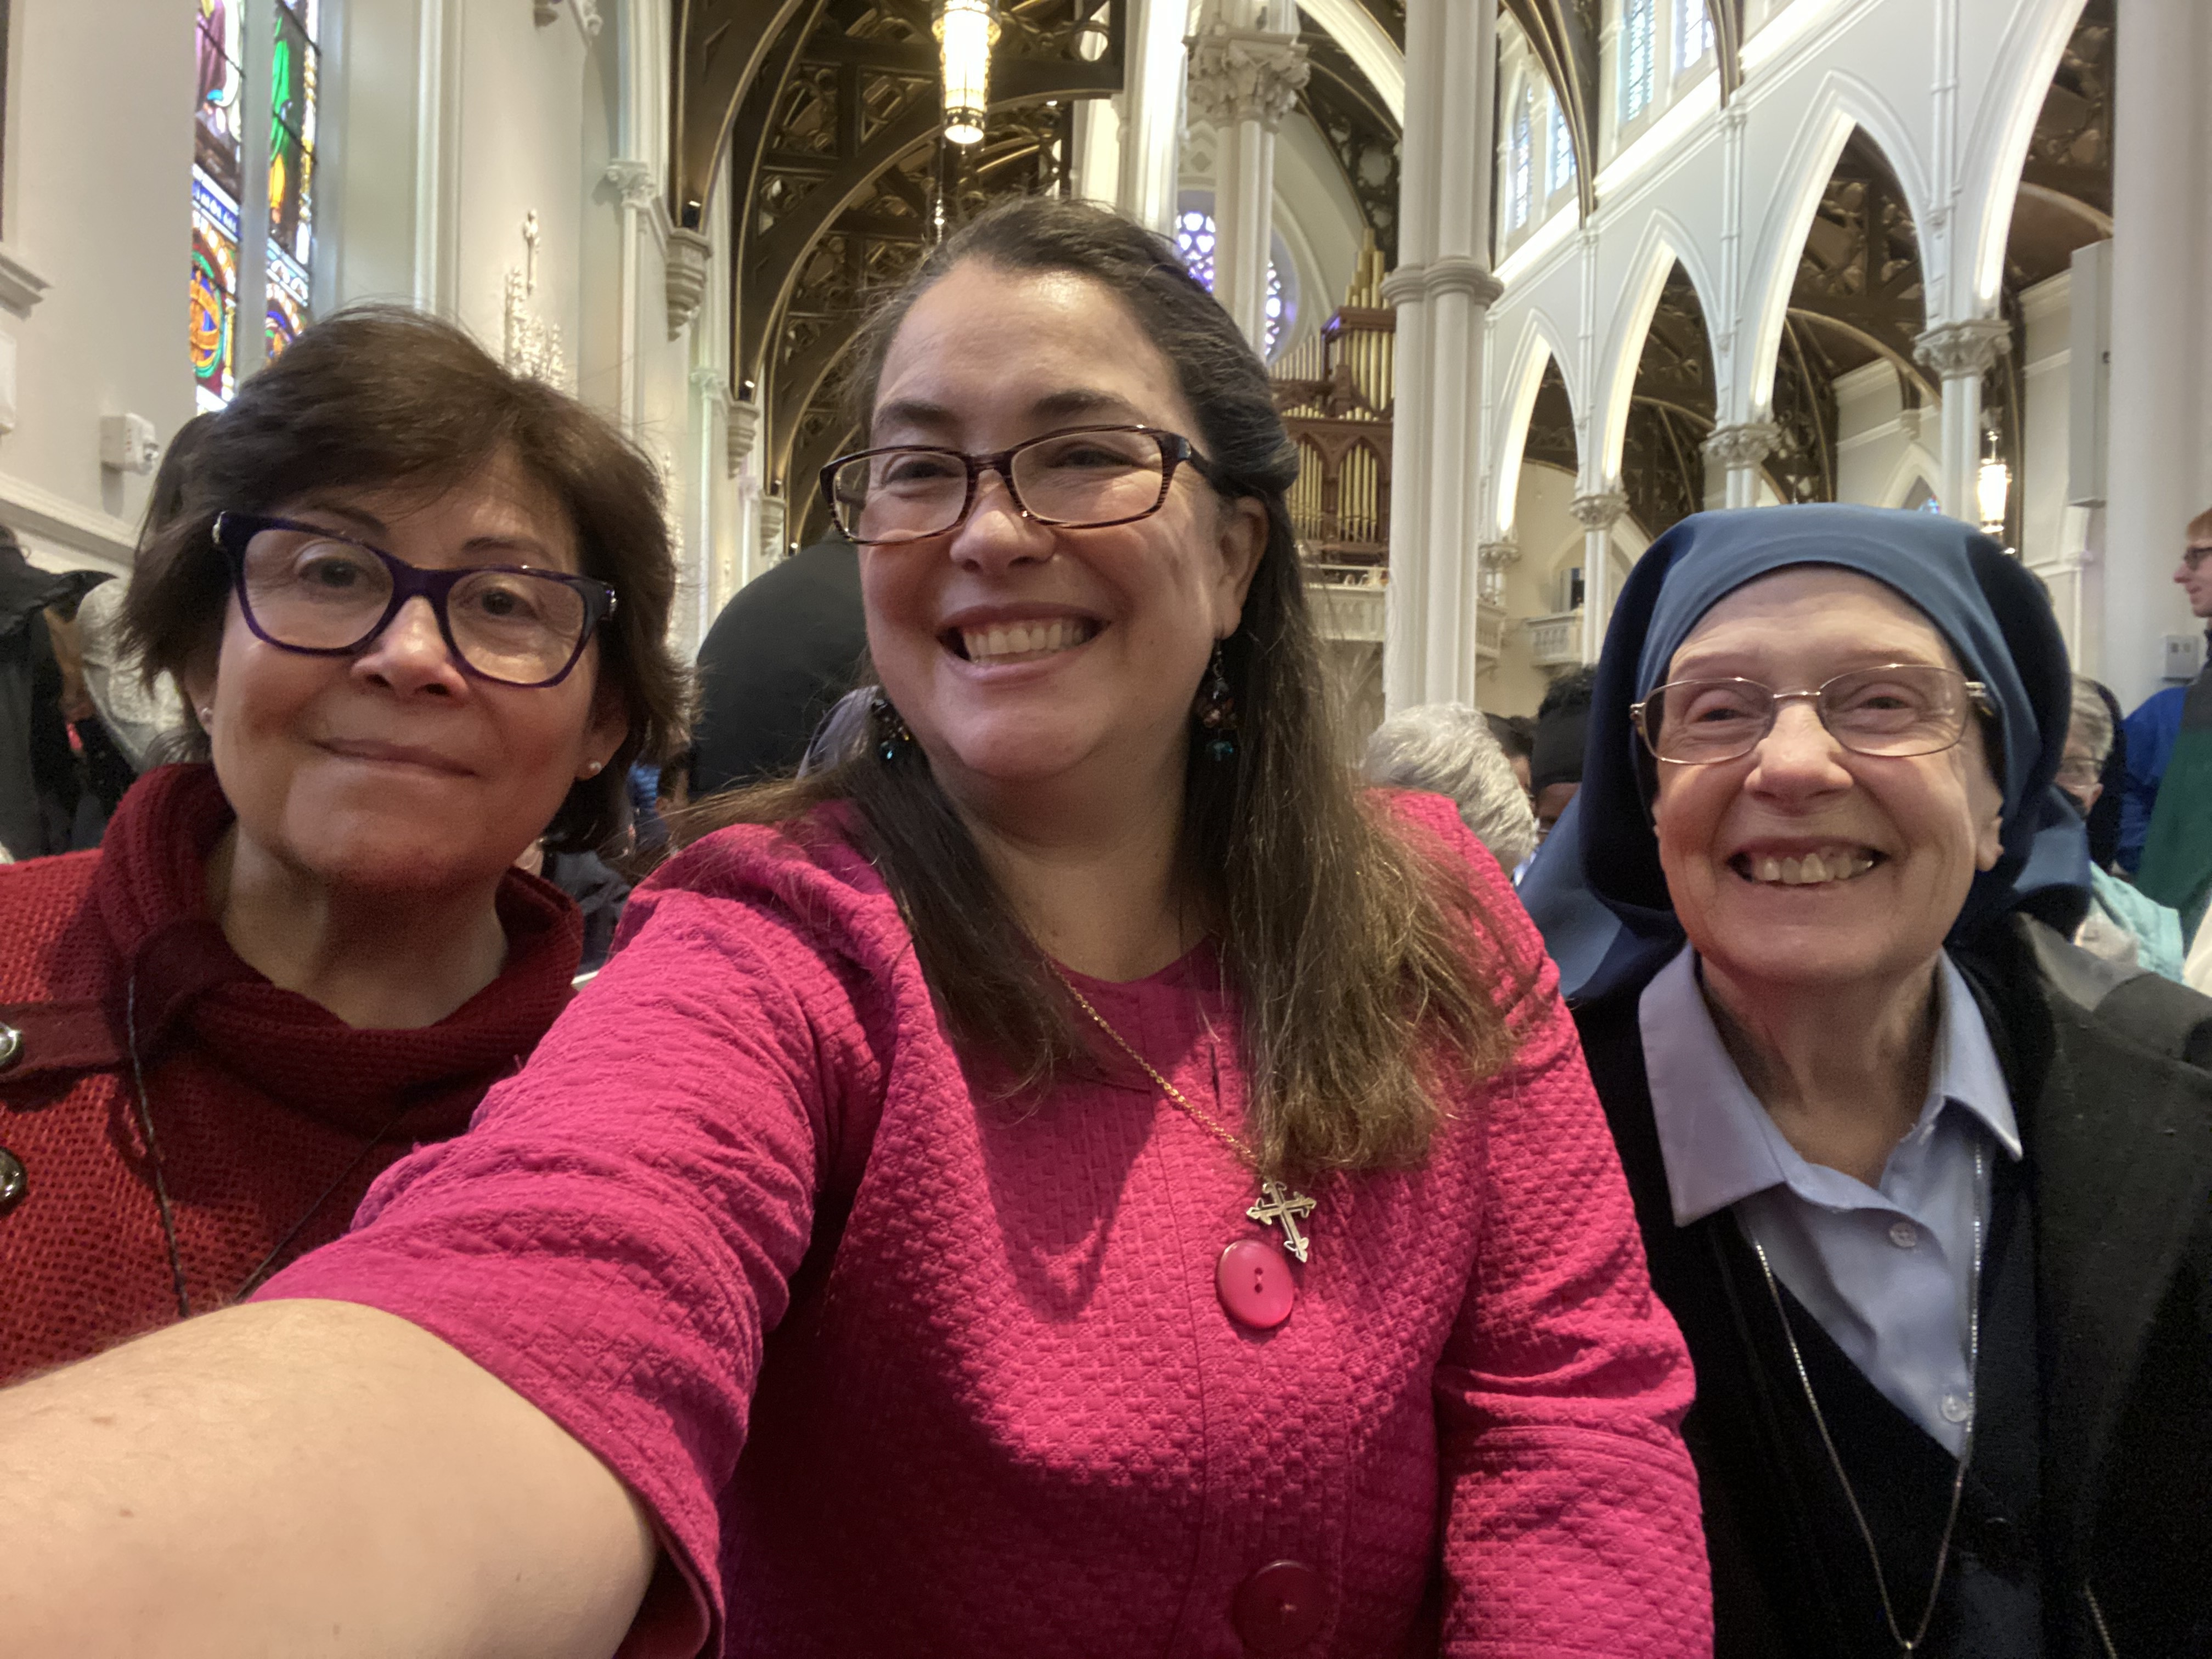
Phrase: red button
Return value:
(1278, 1609)
(1253, 1283)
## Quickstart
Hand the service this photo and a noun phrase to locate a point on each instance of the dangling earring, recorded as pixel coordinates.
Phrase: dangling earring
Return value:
(892, 739)
(1216, 712)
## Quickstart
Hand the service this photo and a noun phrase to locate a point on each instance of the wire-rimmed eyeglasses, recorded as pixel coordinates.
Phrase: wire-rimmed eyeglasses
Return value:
(303, 588)
(1894, 710)
(1084, 477)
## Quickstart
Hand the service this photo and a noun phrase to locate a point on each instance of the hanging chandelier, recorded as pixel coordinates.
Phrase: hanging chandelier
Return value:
(1992, 485)
(966, 31)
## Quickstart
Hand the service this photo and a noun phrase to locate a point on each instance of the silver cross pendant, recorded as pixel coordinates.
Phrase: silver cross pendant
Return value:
(1279, 1207)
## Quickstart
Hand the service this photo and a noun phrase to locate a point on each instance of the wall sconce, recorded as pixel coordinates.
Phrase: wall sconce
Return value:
(966, 31)
(1992, 486)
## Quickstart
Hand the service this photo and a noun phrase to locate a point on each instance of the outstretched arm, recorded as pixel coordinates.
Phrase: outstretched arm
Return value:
(306, 1478)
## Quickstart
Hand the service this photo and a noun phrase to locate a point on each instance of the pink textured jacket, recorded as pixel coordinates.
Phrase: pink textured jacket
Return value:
(903, 1371)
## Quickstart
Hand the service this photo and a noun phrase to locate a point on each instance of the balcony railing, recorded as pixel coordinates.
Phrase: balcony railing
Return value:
(1555, 642)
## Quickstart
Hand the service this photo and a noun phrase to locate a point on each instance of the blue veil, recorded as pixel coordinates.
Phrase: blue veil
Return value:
(1596, 891)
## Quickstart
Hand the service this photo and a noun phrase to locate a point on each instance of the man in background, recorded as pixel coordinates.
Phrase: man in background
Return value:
(1555, 769)
(2152, 729)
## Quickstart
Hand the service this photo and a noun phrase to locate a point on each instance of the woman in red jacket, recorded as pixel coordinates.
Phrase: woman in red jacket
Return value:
(1071, 1179)
(416, 604)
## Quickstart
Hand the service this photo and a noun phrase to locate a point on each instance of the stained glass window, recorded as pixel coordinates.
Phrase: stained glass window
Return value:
(1194, 238)
(218, 149)
(222, 248)
(1696, 39)
(1636, 55)
(1520, 169)
(294, 73)
(1562, 146)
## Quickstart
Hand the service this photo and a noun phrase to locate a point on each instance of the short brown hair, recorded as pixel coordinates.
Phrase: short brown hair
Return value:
(377, 395)
(2200, 527)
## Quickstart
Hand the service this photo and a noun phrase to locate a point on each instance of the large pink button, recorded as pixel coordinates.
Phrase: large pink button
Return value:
(1278, 1609)
(1254, 1282)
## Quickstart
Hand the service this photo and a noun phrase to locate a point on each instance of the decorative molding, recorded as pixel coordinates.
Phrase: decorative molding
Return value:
(20, 287)
(101, 536)
(688, 252)
(1404, 283)
(1746, 444)
(1959, 350)
(633, 182)
(1244, 74)
(1599, 510)
(742, 427)
(771, 527)
(1456, 273)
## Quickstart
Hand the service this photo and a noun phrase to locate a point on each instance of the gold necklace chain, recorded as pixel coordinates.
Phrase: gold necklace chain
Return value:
(1278, 1206)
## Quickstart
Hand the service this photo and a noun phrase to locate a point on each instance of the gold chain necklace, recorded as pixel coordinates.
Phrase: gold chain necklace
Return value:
(1278, 1206)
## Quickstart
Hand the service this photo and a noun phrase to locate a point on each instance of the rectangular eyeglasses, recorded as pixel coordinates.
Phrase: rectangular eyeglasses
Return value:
(306, 589)
(1895, 710)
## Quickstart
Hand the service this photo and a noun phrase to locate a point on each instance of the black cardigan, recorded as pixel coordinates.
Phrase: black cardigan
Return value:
(2094, 1464)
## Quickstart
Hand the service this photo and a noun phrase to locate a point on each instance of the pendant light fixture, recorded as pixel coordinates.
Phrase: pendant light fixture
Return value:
(1992, 484)
(966, 31)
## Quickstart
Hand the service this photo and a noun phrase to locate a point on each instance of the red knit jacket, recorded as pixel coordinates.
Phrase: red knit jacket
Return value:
(272, 1114)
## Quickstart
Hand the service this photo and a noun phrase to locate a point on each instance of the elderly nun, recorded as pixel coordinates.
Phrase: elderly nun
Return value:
(1925, 1187)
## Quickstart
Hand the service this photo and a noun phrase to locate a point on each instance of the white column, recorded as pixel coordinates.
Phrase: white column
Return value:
(2159, 470)
(634, 193)
(249, 344)
(1242, 83)
(1739, 450)
(1962, 353)
(1430, 631)
(1151, 112)
(1598, 513)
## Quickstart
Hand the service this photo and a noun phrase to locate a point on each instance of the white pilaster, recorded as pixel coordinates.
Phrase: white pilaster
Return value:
(1598, 512)
(1962, 353)
(1151, 112)
(2161, 467)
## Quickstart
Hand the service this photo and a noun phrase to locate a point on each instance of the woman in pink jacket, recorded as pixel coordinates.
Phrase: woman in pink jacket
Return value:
(1071, 1178)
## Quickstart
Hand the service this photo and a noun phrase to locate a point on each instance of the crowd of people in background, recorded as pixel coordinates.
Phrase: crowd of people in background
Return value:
(957, 1123)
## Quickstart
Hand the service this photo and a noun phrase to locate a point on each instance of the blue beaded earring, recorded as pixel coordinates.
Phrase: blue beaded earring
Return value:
(890, 734)
(1216, 712)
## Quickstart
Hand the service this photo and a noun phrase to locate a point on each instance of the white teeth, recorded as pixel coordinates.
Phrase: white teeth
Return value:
(1011, 639)
(1814, 870)
(1792, 873)
(1768, 869)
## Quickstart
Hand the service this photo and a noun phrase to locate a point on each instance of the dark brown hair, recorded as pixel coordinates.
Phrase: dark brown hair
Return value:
(375, 396)
(1353, 953)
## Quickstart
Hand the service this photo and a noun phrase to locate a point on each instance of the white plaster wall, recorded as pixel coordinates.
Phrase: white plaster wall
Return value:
(98, 205)
(1881, 447)
(2045, 365)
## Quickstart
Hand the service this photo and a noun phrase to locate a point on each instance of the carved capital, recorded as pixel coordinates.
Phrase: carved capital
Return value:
(1454, 273)
(632, 182)
(1958, 350)
(587, 13)
(1492, 560)
(771, 526)
(1496, 555)
(1599, 511)
(687, 276)
(1746, 444)
(1244, 74)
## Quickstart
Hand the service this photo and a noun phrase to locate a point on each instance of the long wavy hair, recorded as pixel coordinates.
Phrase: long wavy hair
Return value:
(1357, 955)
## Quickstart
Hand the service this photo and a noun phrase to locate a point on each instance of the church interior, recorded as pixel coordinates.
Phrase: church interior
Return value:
(1535, 280)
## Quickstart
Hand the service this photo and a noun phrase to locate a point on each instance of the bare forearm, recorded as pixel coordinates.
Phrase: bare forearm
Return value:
(305, 1479)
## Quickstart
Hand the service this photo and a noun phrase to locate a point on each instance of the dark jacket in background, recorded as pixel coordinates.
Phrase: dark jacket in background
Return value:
(2098, 1281)
(46, 803)
(781, 653)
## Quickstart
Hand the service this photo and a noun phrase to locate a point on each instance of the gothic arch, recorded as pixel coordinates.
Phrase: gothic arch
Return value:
(1665, 243)
(1844, 104)
(1996, 150)
(1538, 350)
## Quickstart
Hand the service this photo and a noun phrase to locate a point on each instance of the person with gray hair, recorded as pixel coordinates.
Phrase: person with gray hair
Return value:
(1447, 749)
(2123, 925)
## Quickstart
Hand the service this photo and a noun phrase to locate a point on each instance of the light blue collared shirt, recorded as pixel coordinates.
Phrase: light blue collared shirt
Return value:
(1887, 1271)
